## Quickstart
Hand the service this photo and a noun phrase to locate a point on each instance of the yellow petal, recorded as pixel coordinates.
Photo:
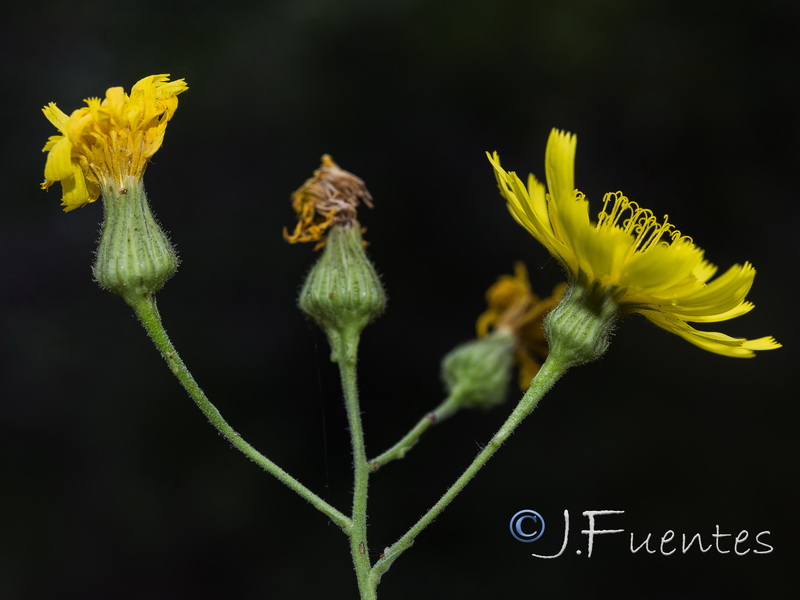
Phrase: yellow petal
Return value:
(559, 163)
(526, 211)
(763, 343)
(56, 116)
(723, 294)
(600, 252)
(712, 341)
(51, 141)
(115, 100)
(59, 161)
(75, 192)
(712, 317)
(661, 267)
(570, 219)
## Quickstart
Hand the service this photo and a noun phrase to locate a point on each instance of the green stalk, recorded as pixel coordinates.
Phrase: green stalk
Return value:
(346, 350)
(401, 448)
(147, 312)
(553, 368)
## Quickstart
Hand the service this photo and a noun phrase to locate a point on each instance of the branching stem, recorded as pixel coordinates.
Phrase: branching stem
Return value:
(147, 312)
(551, 371)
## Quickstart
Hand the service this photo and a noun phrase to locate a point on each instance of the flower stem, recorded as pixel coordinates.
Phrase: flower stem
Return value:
(147, 312)
(553, 368)
(346, 355)
(401, 448)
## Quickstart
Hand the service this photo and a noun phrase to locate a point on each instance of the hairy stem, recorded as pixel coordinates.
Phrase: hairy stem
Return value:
(401, 448)
(346, 354)
(551, 371)
(147, 312)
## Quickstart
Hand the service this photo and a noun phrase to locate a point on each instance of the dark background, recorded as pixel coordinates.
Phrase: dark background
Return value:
(113, 484)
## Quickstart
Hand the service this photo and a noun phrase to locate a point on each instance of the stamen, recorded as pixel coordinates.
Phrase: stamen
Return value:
(640, 222)
(678, 237)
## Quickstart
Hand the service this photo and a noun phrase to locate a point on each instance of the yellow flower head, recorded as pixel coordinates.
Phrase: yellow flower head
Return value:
(330, 197)
(108, 140)
(641, 261)
(513, 306)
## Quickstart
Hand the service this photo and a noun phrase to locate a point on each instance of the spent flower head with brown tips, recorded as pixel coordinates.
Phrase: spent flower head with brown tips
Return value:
(331, 196)
(512, 306)
(342, 292)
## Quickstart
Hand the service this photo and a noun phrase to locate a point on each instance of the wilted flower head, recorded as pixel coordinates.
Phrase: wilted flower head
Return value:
(639, 262)
(512, 306)
(108, 140)
(328, 198)
(343, 292)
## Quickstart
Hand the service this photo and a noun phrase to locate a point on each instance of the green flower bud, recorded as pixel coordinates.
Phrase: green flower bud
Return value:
(134, 259)
(476, 374)
(579, 328)
(343, 293)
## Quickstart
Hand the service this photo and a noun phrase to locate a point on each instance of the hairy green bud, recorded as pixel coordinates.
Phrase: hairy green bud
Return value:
(343, 292)
(476, 374)
(579, 328)
(134, 258)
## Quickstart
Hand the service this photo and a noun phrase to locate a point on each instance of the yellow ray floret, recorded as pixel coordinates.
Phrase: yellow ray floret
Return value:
(641, 260)
(512, 305)
(108, 140)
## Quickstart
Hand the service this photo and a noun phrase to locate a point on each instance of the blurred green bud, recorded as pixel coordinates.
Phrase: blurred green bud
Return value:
(476, 374)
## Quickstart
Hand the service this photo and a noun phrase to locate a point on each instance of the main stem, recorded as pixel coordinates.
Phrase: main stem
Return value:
(551, 371)
(359, 549)
(147, 312)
